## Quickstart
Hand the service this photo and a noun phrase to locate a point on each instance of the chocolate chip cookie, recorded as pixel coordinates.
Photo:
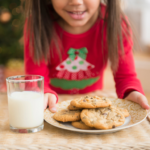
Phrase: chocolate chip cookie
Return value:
(81, 125)
(91, 102)
(67, 116)
(124, 111)
(102, 118)
(70, 107)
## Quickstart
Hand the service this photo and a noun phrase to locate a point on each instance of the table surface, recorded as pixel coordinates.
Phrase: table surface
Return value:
(137, 137)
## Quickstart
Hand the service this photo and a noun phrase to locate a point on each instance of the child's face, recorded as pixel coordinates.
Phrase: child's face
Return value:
(76, 13)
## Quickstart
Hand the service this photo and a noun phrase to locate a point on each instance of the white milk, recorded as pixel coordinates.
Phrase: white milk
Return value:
(26, 109)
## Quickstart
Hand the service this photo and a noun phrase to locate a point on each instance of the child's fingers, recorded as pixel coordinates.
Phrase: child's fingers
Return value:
(143, 102)
(138, 98)
(45, 100)
(52, 102)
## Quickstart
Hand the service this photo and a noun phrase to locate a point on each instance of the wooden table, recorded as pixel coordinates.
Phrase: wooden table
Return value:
(137, 137)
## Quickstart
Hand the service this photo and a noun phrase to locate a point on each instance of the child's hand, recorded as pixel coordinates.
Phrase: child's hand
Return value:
(50, 100)
(138, 98)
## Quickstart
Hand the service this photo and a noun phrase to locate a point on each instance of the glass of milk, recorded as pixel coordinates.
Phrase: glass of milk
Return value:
(26, 103)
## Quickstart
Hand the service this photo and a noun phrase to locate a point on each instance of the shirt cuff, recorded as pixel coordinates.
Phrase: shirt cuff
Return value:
(126, 90)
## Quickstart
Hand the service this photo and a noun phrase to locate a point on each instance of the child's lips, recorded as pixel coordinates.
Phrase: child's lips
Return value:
(77, 15)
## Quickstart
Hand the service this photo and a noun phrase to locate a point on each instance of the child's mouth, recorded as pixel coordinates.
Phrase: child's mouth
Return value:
(78, 15)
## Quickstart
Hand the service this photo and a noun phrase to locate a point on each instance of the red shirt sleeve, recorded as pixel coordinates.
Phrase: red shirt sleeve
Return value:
(125, 77)
(33, 69)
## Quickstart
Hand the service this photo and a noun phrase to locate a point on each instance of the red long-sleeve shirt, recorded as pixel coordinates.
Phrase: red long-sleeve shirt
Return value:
(83, 62)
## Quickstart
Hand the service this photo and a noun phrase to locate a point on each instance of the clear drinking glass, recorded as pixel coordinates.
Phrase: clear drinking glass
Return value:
(26, 103)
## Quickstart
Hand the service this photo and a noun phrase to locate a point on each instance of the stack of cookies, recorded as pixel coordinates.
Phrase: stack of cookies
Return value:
(92, 112)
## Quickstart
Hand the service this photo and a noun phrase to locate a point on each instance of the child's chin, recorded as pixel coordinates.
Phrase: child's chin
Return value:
(80, 23)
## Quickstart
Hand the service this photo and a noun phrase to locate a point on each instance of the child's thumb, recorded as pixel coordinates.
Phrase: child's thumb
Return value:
(144, 103)
(52, 102)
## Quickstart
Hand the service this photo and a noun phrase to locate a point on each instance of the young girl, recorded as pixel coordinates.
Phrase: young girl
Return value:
(69, 43)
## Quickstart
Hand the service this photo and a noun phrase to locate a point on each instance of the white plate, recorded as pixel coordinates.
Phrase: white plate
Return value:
(137, 115)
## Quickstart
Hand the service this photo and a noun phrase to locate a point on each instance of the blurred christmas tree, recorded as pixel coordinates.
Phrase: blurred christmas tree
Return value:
(11, 29)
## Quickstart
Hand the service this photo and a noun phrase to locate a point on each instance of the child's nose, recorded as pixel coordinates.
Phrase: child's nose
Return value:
(75, 2)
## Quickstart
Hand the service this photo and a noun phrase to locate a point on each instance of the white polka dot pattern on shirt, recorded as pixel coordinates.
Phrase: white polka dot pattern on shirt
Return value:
(74, 91)
(60, 74)
(74, 76)
(81, 75)
(66, 75)
(88, 73)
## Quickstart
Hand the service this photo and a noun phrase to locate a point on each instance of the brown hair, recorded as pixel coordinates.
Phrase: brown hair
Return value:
(40, 24)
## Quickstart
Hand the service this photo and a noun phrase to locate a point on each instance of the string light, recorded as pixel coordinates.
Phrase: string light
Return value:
(14, 11)
(18, 10)
(12, 6)
(5, 16)
(16, 23)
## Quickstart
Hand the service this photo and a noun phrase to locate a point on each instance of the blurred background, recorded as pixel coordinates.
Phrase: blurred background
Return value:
(11, 41)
